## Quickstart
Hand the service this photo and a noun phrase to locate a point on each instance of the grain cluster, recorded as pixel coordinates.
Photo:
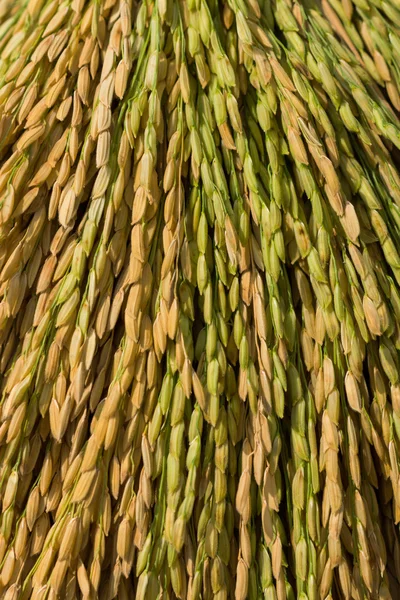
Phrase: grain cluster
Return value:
(199, 299)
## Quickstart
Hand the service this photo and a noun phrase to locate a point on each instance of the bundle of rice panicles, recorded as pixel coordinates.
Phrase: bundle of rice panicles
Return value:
(199, 299)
